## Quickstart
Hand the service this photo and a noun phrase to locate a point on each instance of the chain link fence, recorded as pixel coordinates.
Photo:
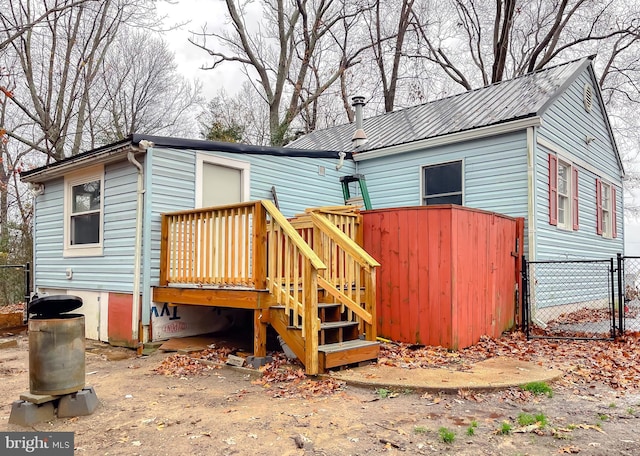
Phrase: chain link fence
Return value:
(570, 299)
(14, 283)
(630, 280)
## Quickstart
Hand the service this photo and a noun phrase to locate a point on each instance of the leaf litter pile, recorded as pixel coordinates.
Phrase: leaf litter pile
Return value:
(284, 379)
(613, 363)
(12, 308)
(195, 363)
(281, 377)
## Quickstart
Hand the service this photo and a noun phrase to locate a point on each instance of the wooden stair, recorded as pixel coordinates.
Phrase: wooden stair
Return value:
(308, 277)
(340, 341)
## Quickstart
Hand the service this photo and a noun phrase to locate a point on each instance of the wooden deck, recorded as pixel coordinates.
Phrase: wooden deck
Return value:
(290, 273)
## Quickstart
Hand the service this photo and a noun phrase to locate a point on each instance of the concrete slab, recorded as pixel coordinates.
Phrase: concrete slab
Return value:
(37, 398)
(490, 374)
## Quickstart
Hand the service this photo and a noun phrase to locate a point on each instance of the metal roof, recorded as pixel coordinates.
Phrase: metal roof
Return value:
(525, 96)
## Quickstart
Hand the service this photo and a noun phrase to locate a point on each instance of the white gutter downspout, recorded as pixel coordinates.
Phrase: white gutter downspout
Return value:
(340, 164)
(531, 184)
(135, 302)
(531, 212)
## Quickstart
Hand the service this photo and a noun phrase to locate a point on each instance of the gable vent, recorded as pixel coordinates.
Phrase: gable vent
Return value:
(588, 97)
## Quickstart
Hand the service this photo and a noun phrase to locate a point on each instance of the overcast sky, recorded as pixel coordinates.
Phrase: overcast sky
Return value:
(190, 58)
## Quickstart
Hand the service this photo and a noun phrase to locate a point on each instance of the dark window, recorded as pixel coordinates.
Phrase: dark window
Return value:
(85, 213)
(442, 184)
(85, 229)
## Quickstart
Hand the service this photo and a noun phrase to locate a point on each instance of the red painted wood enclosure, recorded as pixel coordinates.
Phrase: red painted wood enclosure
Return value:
(448, 273)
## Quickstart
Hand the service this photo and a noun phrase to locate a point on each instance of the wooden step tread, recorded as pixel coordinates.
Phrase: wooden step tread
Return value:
(337, 324)
(348, 345)
(323, 305)
(331, 325)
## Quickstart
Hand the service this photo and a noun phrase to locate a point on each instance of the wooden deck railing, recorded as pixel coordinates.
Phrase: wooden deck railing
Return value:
(213, 246)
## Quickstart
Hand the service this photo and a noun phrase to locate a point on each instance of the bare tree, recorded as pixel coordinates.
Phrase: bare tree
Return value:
(13, 28)
(280, 51)
(388, 24)
(15, 206)
(142, 91)
(516, 37)
(58, 64)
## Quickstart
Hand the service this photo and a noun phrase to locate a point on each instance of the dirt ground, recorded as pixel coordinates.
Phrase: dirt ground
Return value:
(225, 411)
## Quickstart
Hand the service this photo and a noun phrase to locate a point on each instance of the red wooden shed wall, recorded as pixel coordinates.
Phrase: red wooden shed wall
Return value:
(447, 273)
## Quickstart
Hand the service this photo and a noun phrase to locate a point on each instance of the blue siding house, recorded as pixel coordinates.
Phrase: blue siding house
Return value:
(539, 146)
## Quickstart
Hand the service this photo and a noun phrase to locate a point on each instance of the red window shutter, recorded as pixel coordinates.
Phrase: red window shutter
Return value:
(614, 222)
(598, 206)
(553, 189)
(574, 197)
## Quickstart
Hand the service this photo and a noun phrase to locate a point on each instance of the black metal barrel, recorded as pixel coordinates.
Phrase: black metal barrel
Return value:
(56, 346)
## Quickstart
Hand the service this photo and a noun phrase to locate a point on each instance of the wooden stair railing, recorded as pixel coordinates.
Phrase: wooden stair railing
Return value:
(350, 270)
(292, 278)
(348, 282)
(334, 233)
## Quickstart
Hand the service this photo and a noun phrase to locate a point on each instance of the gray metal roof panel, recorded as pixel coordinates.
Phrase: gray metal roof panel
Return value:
(525, 96)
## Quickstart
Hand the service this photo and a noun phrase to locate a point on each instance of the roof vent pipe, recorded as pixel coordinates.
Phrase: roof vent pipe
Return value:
(359, 136)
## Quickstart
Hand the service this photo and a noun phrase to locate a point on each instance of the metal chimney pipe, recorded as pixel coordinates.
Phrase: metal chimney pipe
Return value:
(359, 136)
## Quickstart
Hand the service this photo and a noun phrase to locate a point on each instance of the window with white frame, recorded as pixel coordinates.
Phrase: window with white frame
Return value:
(606, 209)
(563, 194)
(83, 213)
(442, 184)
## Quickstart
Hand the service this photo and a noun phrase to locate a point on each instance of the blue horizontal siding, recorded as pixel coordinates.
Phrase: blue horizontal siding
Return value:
(173, 189)
(495, 174)
(566, 124)
(298, 182)
(113, 271)
(557, 243)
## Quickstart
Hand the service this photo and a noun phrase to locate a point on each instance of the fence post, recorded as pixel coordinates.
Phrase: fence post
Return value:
(621, 295)
(525, 296)
(613, 299)
(27, 282)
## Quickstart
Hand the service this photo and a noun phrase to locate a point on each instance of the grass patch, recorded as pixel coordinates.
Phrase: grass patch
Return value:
(541, 419)
(471, 430)
(631, 411)
(384, 393)
(603, 417)
(612, 405)
(538, 388)
(526, 419)
(420, 430)
(446, 435)
(505, 428)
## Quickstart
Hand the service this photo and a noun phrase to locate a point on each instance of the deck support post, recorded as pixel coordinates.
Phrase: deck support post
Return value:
(259, 334)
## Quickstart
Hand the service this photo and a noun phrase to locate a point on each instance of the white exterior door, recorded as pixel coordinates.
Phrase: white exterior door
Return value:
(221, 181)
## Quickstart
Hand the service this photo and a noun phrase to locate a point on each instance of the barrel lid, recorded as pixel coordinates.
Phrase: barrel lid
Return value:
(54, 305)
